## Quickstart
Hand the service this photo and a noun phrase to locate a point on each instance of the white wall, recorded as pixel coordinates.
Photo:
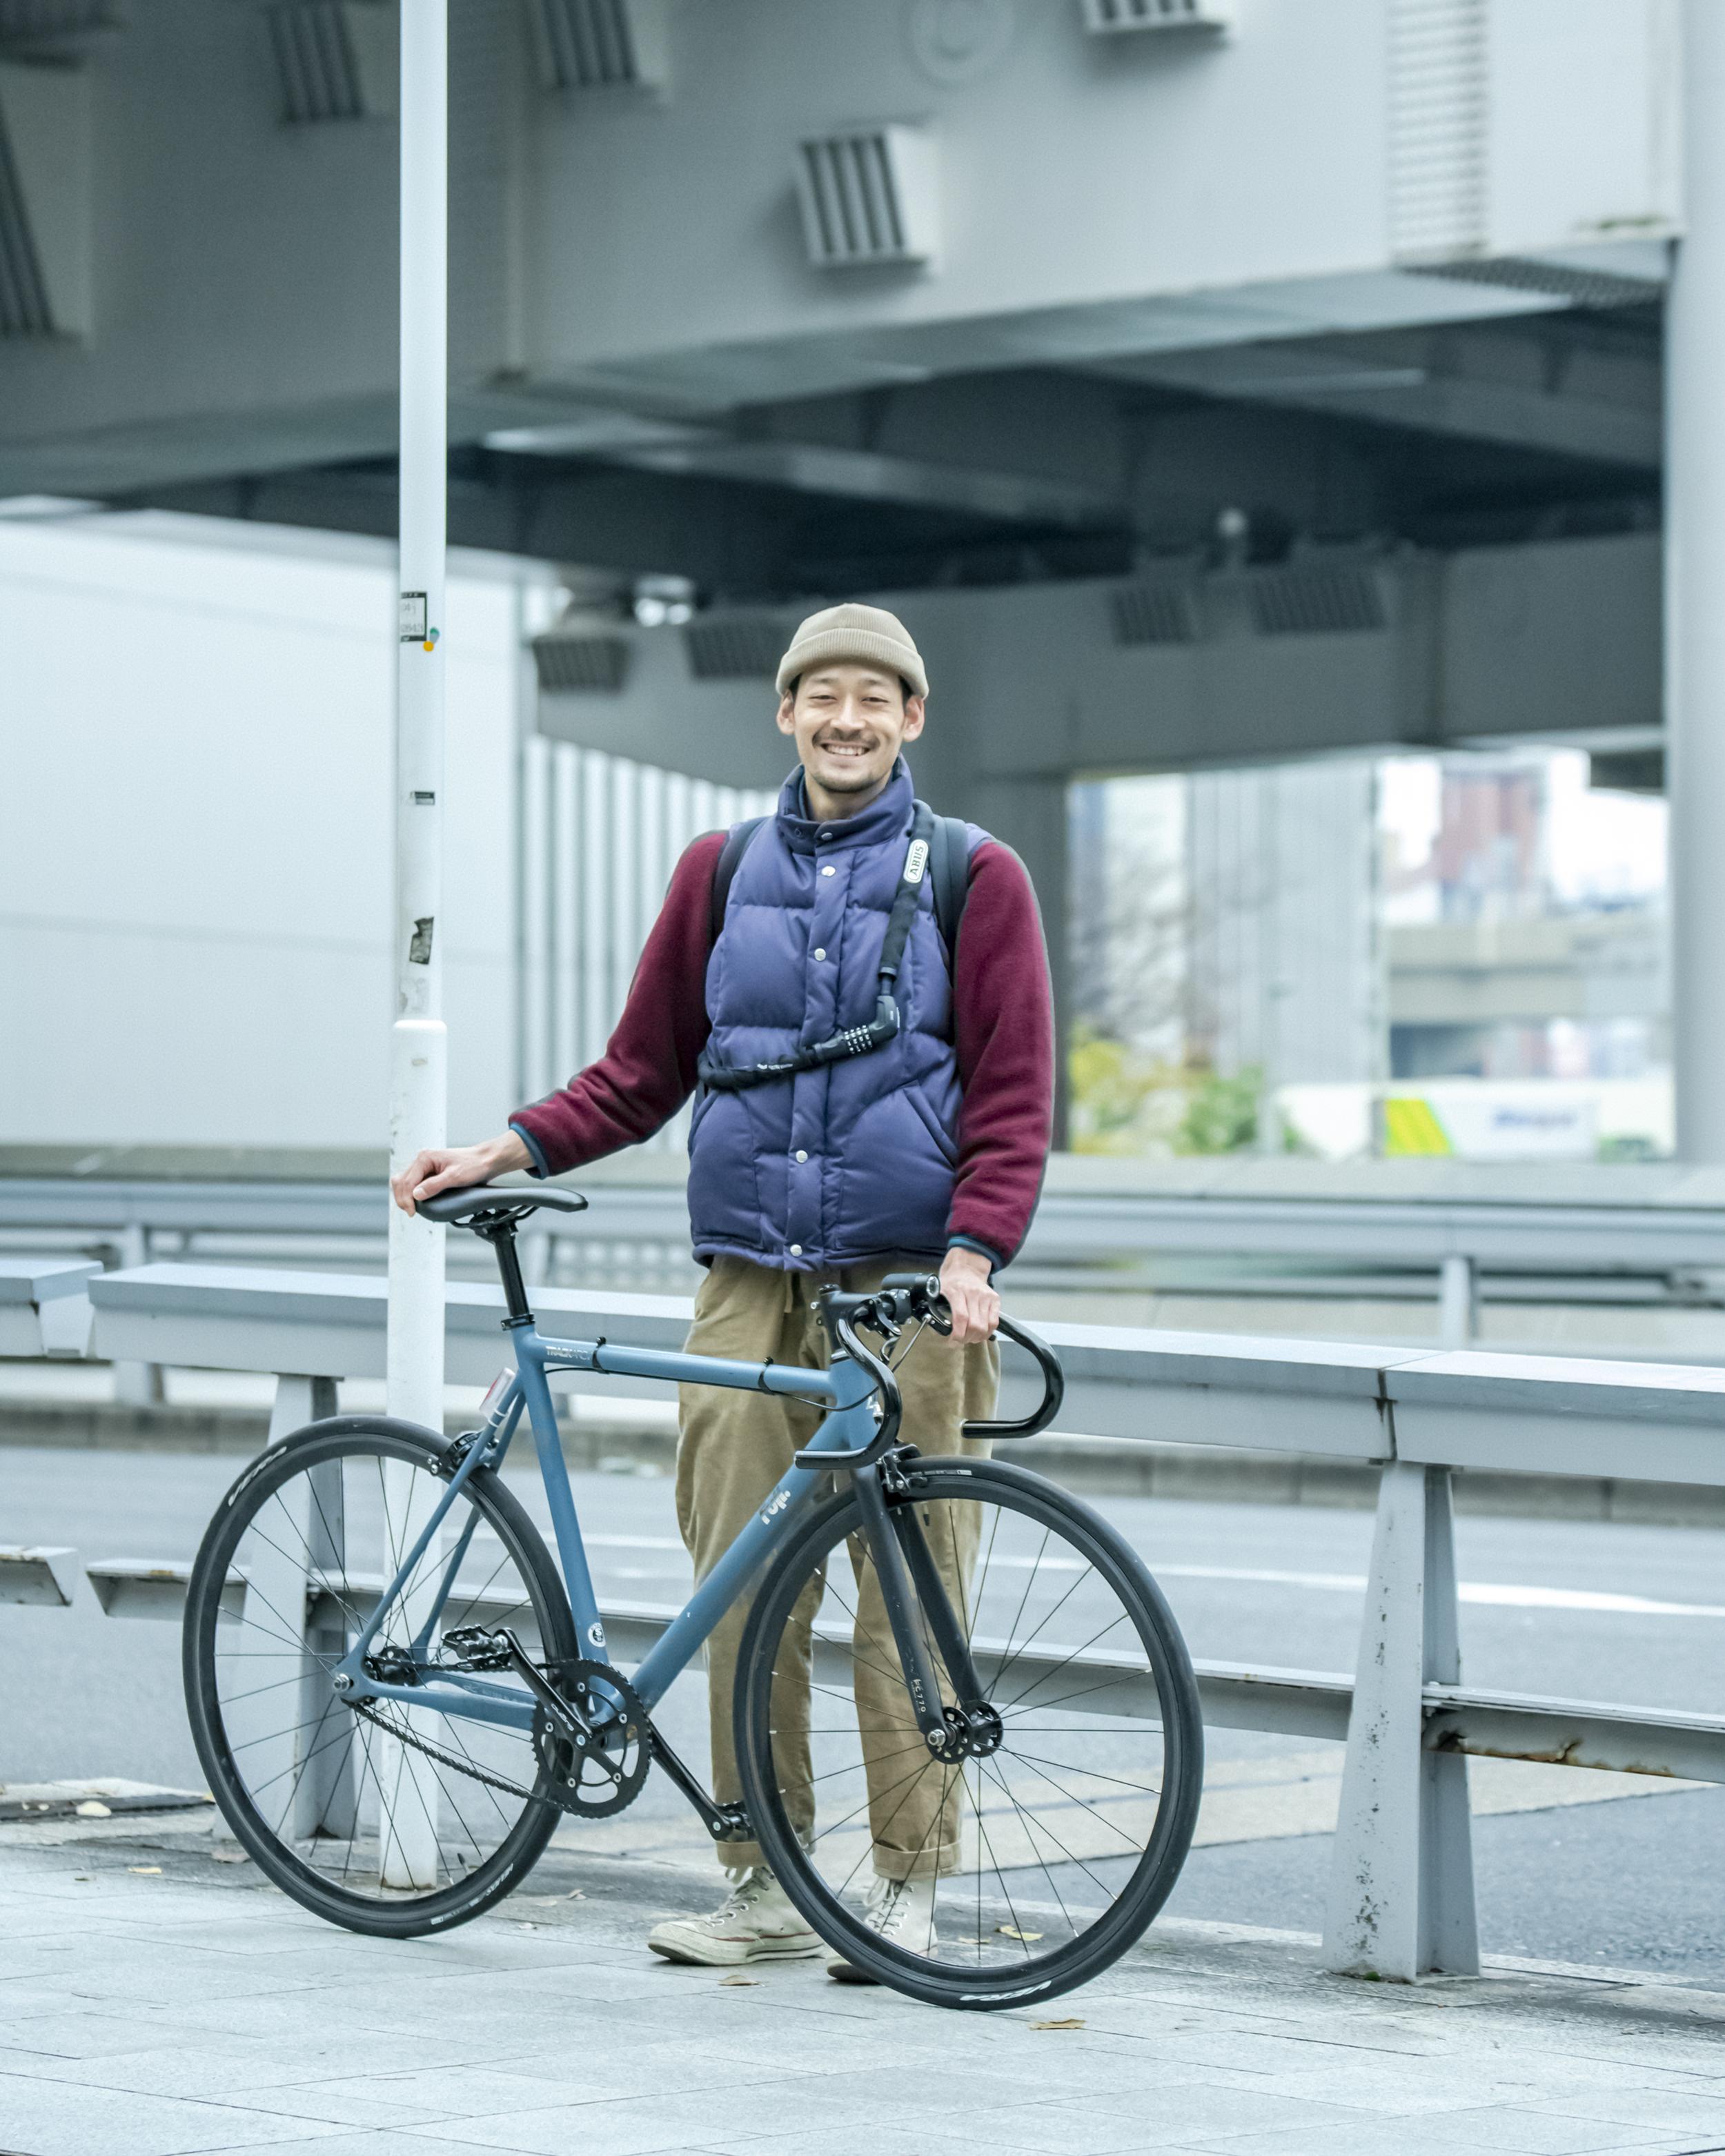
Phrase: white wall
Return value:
(195, 838)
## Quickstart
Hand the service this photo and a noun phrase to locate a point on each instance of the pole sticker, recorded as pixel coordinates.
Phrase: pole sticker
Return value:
(412, 620)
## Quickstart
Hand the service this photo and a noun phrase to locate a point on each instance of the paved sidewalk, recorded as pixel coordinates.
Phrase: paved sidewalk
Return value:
(158, 1999)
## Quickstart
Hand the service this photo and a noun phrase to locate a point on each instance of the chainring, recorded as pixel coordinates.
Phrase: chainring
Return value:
(600, 1771)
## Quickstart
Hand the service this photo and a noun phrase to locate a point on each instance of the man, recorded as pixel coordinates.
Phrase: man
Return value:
(926, 1146)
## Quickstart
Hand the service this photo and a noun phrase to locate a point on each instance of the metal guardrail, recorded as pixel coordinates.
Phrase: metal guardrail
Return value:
(44, 1309)
(1624, 1223)
(1621, 1220)
(1402, 1891)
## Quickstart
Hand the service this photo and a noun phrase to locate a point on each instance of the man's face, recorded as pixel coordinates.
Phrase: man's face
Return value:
(849, 723)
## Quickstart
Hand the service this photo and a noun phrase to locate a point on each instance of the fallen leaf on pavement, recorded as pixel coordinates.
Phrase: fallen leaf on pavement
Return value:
(145, 1871)
(90, 1808)
(228, 1856)
(739, 1979)
(1012, 1932)
(1057, 2025)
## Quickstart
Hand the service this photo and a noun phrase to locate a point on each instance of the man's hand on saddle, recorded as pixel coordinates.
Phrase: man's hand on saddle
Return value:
(975, 1306)
(454, 1167)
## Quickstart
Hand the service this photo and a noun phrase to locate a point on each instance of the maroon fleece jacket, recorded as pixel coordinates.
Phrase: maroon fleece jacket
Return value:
(1002, 1033)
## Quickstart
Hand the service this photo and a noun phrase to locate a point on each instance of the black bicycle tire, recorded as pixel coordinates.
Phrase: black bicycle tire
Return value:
(1115, 1933)
(501, 1872)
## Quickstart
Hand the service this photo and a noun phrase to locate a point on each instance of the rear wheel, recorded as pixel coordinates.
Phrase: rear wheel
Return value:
(385, 1818)
(1044, 1852)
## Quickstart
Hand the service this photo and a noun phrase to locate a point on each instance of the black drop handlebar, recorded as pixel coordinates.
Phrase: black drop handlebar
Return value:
(901, 1299)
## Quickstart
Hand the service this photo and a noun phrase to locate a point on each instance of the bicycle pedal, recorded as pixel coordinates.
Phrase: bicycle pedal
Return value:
(477, 1649)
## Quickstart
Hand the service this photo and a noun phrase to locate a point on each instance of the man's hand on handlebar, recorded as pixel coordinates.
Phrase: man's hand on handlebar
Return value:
(974, 1305)
(454, 1167)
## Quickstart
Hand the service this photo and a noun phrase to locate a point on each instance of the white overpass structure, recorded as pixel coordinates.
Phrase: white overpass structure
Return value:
(1206, 380)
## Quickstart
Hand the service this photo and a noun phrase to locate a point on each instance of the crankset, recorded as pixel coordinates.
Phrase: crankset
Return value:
(591, 1736)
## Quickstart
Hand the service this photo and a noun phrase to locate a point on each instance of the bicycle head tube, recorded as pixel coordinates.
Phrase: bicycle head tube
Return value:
(837, 1313)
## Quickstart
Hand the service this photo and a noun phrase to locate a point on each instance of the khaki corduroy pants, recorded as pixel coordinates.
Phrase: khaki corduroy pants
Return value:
(733, 1447)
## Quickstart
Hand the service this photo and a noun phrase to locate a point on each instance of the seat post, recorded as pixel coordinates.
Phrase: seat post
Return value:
(502, 1238)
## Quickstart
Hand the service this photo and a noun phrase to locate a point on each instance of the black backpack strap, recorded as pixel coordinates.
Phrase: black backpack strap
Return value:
(949, 870)
(730, 854)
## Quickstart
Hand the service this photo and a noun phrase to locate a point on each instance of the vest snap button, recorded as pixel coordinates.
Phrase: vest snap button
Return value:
(830, 870)
(796, 1250)
(801, 1155)
(820, 954)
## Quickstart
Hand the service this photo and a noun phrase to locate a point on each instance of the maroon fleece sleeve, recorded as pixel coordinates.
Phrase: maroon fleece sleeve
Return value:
(1003, 1022)
(647, 1069)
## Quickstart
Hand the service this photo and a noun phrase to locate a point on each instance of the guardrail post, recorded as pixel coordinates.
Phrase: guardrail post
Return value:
(283, 1767)
(1458, 1302)
(136, 1384)
(1401, 1882)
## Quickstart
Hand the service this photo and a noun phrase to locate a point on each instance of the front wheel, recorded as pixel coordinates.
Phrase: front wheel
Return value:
(1042, 1853)
(386, 1818)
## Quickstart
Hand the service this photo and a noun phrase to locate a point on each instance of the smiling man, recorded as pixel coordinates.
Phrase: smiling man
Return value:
(832, 1143)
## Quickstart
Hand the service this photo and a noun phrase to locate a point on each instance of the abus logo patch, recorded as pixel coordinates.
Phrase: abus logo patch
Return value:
(916, 860)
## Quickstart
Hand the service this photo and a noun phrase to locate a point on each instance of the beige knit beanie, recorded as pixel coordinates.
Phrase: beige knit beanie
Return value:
(868, 635)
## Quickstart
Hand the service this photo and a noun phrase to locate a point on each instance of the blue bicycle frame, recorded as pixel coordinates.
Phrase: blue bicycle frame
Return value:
(845, 1391)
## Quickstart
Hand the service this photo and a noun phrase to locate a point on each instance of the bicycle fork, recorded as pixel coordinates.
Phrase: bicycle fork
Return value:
(910, 1583)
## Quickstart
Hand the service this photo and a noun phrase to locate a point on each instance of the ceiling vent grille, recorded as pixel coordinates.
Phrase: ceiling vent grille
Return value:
(1317, 600)
(1107, 18)
(868, 197)
(602, 45)
(45, 211)
(582, 663)
(1559, 280)
(335, 60)
(737, 647)
(33, 24)
(1154, 613)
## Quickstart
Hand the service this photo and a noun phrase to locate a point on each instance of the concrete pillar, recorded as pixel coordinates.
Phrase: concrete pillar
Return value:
(1695, 594)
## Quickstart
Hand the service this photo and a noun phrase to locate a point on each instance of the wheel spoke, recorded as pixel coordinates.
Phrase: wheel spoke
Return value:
(1064, 1814)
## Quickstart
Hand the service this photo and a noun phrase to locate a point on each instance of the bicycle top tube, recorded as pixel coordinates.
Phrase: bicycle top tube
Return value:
(613, 1359)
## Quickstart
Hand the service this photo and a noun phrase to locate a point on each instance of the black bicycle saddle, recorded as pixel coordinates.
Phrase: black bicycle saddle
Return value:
(461, 1209)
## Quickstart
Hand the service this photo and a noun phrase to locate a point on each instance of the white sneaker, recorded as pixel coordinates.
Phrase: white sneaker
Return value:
(755, 1923)
(902, 1911)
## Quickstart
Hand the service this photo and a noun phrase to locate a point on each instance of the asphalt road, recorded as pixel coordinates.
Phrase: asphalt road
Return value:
(1586, 1609)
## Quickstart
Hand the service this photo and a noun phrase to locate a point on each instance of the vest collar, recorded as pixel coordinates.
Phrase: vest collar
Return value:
(887, 816)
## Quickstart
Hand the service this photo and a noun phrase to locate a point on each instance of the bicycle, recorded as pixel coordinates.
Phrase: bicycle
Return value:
(398, 1698)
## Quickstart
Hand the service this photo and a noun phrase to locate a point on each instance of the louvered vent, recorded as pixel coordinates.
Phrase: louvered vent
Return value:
(1438, 127)
(737, 647)
(335, 60)
(1104, 19)
(581, 662)
(1316, 600)
(25, 310)
(602, 45)
(45, 213)
(868, 197)
(1154, 613)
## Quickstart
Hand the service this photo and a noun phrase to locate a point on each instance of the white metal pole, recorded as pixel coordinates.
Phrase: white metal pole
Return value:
(1695, 593)
(419, 1089)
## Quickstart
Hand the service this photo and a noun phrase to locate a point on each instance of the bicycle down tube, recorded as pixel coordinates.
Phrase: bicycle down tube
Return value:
(845, 1391)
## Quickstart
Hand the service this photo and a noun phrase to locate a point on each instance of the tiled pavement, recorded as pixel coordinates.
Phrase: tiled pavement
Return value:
(153, 2001)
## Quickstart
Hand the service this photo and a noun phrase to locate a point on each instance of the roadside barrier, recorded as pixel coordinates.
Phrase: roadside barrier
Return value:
(1402, 1889)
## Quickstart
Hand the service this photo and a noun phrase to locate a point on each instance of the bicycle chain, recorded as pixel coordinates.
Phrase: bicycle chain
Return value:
(436, 1752)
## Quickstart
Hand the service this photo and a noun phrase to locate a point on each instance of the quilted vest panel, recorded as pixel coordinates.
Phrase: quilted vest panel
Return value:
(855, 1159)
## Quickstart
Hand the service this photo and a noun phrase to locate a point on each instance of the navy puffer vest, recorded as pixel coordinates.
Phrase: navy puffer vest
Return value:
(855, 1159)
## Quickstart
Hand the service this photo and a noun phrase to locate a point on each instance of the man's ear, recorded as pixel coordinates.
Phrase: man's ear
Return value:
(915, 711)
(785, 722)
